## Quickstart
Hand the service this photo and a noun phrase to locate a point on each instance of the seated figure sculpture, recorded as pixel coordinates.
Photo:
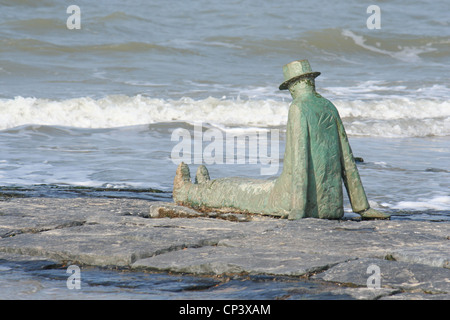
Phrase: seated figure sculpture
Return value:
(317, 159)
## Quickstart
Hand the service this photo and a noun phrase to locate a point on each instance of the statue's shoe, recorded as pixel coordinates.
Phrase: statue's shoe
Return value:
(202, 175)
(182, 179)
(374, 214)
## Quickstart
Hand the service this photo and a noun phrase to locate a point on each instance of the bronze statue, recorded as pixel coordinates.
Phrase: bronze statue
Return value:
(317, 159)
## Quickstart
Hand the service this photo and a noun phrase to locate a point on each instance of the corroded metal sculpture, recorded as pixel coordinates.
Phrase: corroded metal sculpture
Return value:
(317, 159)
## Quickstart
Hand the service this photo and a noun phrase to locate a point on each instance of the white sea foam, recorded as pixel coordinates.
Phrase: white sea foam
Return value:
(407, 54)
(435, 203)
(394, 117)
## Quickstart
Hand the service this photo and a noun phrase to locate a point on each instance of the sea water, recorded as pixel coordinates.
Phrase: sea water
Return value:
(96, 108)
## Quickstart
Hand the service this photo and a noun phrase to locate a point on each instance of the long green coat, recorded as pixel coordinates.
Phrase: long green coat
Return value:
(317, 159)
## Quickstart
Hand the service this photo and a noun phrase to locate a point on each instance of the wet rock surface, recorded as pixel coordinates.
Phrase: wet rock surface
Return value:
(330, 258)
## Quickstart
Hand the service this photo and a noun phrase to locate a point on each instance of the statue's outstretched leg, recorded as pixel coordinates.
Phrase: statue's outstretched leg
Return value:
(236, 194)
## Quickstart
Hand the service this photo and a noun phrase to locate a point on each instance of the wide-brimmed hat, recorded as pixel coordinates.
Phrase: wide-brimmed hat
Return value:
(296, 70)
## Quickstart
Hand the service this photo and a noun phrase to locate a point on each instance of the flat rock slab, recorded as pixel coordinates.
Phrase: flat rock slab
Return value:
(228, 260)
(105, 232)
(139, 234)
(435, 255)
(393, 274)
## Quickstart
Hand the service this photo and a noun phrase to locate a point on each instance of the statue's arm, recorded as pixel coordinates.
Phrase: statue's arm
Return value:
(350, 174)
(299, 157)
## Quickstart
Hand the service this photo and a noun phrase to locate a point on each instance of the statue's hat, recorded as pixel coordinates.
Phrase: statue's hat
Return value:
(296, 70)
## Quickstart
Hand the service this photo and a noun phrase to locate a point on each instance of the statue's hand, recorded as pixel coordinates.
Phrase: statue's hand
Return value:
(373, 214)
(296, 214)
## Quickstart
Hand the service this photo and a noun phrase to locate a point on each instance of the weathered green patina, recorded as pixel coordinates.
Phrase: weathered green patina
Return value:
(317, 159)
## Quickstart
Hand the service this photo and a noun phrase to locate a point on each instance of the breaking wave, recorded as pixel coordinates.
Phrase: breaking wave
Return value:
(392, 117)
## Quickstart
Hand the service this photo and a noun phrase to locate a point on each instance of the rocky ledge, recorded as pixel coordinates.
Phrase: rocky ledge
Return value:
(411, 258)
